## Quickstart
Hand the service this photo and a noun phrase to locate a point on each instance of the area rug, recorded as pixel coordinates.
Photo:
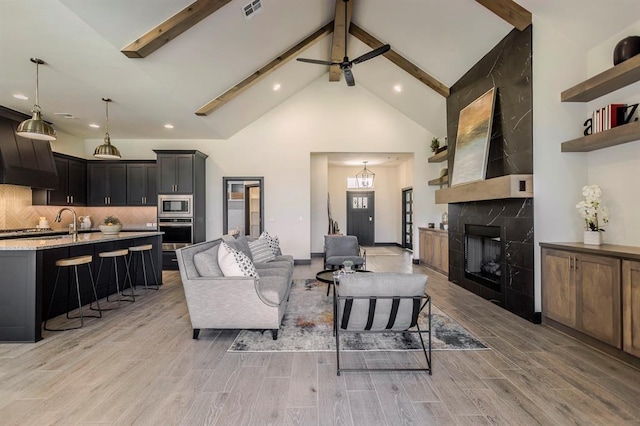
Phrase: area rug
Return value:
(307, 327)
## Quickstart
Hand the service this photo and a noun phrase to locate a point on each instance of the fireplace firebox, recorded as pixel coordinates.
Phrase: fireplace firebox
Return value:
(483, 255)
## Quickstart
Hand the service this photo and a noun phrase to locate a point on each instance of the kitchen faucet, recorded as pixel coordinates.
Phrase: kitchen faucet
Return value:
(74, 229)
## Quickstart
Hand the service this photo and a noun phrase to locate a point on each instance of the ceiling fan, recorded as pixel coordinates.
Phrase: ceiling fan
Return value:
(346, 64)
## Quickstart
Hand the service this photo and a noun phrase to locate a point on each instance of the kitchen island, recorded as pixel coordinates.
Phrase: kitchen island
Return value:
(28, 273)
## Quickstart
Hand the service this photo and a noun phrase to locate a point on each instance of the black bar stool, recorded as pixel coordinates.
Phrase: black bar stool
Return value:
(115, 254)
(146, 248)
(74, 262)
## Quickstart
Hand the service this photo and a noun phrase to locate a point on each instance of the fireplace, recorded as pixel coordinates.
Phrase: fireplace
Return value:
(483, 255)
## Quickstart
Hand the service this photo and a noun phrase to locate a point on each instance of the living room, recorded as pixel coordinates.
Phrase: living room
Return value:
(285, 144)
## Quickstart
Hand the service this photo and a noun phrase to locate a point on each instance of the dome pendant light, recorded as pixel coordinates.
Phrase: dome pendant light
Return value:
(35, 127)
(106, 150)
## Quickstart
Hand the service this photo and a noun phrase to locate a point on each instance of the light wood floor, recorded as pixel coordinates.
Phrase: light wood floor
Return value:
(139, 365)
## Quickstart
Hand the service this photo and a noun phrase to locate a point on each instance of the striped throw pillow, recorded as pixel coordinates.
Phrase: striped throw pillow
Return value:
(260, 251)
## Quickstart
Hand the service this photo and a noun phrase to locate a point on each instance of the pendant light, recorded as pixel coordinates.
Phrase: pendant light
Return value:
(35, 127)
(364, 179)
(106, 150)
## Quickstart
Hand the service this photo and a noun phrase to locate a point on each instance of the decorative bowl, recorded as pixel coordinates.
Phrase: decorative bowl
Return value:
(110, 229)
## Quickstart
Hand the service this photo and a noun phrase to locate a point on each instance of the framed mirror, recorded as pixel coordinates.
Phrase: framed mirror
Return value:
(243, 205)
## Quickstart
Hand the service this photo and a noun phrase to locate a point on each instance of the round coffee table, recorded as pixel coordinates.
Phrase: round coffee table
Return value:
(326, 276)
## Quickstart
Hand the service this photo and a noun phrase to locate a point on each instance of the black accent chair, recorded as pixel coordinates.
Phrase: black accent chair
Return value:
(387, 302)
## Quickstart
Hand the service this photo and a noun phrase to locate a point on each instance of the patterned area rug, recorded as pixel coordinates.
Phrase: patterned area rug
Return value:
(307, 327)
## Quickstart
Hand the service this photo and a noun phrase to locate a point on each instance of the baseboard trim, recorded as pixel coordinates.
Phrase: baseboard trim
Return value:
(317, 254)
(416, 261)
(302, 261)
(537, 318)
(387, 245)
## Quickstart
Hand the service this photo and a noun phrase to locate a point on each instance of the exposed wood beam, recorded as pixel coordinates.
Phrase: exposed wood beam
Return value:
(172, 28)
(264, 71)
(400, 61)
(510, 11)
(339, 31)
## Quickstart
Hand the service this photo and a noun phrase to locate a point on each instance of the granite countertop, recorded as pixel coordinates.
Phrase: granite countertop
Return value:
(51, 241)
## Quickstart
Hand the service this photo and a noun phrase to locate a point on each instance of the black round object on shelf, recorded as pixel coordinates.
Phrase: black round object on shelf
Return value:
(625, 49)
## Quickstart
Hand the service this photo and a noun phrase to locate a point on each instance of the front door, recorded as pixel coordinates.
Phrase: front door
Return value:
(407, 218)
(360, 216)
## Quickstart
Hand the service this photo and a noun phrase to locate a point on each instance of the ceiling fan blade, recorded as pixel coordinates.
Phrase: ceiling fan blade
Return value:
(375, 52)
(348, 77)
(317, 61)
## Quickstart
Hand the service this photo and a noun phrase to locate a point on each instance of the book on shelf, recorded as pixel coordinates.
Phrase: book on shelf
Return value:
(607, 117)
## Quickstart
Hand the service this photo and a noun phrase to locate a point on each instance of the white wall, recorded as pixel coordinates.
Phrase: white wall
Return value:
(324, 117)
(319, 189)
(70, 145)
(560, 61)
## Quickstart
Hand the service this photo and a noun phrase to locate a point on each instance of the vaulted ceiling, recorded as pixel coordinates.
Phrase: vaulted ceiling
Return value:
(82, 40)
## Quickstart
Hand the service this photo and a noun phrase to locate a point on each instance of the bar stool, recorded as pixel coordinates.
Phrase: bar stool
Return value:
(115, 254)
(146, 248)
(74, 262)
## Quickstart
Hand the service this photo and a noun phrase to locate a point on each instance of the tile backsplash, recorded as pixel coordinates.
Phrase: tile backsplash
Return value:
(16, 212)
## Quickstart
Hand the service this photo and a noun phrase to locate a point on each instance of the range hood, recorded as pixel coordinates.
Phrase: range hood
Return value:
(25, 162)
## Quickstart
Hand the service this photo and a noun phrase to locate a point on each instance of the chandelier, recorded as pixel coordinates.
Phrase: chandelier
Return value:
(365, 177)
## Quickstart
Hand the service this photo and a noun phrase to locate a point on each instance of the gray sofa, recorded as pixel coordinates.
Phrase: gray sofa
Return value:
(216, 301)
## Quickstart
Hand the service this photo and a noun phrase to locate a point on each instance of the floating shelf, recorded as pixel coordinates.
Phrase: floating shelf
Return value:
(439, 157)
(509, 186)
(616, 136)
(615, 78)
(444, 180)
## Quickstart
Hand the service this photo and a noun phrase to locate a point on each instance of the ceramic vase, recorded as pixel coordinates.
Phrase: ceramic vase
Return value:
(593, 238)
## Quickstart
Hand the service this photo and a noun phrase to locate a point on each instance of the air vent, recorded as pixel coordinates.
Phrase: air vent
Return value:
(251, 9)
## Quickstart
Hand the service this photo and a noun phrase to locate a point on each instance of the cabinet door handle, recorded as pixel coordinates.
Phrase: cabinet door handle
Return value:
(67, 199)
(575, 263)
(72, 199)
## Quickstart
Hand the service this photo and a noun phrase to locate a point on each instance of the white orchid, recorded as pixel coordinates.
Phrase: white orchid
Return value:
(591, 209)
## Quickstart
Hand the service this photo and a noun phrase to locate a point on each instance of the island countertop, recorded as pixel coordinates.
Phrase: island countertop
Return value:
(54, 241)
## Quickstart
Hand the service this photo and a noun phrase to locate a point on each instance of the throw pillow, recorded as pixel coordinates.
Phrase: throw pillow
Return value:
(206, 263)
(260, 251)
(273, 242)
(234, 263)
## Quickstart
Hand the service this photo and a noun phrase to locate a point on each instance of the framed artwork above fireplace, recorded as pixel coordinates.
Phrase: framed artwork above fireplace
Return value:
(472, 141)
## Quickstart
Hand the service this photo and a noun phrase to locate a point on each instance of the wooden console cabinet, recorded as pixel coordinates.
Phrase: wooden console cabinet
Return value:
(434, 249)
(594, 290)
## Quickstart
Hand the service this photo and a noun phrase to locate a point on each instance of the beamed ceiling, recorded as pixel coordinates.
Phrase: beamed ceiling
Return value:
(209, 71)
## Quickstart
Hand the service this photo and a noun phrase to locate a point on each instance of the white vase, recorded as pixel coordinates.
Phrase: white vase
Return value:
(593, 238)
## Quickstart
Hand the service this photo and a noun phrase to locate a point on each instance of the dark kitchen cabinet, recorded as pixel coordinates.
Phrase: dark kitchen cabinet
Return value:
(176, 173)
(72, 184)
(107, 183)
(142, 187)
(72, 178)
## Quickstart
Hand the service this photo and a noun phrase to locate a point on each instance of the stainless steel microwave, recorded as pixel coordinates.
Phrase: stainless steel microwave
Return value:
(175, 206)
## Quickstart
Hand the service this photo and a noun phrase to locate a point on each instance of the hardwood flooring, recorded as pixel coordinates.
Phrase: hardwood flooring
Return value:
(139, 365)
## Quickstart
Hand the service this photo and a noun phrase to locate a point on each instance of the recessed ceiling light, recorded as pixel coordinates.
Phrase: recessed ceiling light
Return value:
(94, 125)
(168, 126)
(397, 88)
(20, 96)
(276, 86)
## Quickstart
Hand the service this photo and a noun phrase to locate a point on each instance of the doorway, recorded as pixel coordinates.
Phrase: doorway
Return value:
(360, 216)
(243, 205)
(407, 218)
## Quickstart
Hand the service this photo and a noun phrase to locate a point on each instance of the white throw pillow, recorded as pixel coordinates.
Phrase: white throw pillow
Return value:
(260, 251)
(234, 263)
(273, 242)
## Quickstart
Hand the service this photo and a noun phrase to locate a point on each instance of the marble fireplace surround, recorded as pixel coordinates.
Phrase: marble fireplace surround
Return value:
(514, 217)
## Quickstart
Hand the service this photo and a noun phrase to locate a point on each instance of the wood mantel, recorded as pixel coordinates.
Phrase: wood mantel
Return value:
(509, 186)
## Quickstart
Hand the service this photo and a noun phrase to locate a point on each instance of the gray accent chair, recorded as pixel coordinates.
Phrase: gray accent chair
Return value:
(386, 302)
(338, 248)
(216, 301)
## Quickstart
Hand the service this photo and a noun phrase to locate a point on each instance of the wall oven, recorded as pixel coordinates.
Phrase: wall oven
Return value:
(178, 232)
(175, 206)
